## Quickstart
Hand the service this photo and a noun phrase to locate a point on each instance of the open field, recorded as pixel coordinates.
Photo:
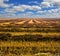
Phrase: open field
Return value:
(30, 37)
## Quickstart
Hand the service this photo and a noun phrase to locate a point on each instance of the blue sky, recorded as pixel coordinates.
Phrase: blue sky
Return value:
(23, 1)
(30, 8)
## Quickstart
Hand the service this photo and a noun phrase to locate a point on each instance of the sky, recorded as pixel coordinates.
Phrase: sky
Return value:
(29, 8)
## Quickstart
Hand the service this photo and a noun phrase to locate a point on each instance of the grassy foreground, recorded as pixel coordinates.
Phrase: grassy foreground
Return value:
(30, 37)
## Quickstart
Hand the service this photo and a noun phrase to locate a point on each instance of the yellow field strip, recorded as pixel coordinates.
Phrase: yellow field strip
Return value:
(34, 33)
(29, 44)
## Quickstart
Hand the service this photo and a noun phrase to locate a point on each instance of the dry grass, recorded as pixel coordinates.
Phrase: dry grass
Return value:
(22, 22)
(37, 21)
(51, 44)
(40, 45)
(5, 23)
(31, 22)
(33, 33)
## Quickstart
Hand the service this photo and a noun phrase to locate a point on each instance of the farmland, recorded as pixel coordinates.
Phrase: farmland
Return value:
(30, 37)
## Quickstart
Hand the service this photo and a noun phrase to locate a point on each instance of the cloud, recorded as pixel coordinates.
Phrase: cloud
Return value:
(41, 12)
(45, 4)
(22, 8)
(54, 2)
(29, 13)
(35, 8)
(3, 5)
(26, 7)
(13, 15)
(52, 13)
(7, 15)
(34, 2)
(9, 10)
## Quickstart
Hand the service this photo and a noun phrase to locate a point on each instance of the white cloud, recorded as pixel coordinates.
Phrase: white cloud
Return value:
(26, 7)
(47, 0)
(49, 14)
(2, 4)
(22, 8)
(42, 12)
(7, 15)
(34, 2)
(35, 7)
(52, 13)
(54, 2)
(29, 13)
(9, 10)
(13, 15)
(53, 10)
(45, 4)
